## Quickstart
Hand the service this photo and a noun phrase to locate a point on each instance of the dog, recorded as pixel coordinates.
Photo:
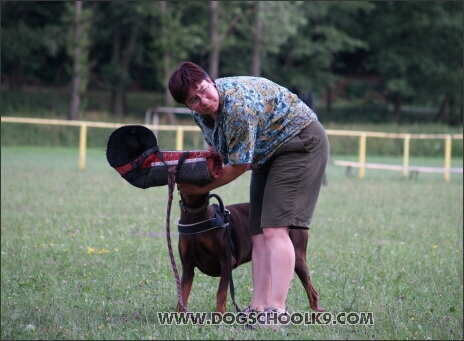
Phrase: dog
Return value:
(207, 250)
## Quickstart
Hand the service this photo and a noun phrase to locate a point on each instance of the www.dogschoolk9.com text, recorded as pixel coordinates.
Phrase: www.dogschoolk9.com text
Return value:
(262, 318)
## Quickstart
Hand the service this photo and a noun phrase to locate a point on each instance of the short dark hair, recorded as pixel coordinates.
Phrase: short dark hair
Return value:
(186, 76)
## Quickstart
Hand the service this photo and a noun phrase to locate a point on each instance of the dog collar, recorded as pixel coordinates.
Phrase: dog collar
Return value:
(206, 225)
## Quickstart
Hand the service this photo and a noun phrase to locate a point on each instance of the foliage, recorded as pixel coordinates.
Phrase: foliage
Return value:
(415, 59)
(309, 55)
(411, 52)
(32, 36)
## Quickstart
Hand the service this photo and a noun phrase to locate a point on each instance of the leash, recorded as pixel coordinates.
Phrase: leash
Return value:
(171, 185)
(226, 215)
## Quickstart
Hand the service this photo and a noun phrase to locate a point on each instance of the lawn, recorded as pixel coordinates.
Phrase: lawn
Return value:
(84, 255)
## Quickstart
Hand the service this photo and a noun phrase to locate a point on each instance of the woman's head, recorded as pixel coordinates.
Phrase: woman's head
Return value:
(187, 76)
(191, 85)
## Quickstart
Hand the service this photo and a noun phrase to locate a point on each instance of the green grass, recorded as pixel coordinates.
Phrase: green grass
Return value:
(84, 254)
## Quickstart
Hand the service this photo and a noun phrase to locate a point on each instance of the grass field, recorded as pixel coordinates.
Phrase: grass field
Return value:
(84, 255)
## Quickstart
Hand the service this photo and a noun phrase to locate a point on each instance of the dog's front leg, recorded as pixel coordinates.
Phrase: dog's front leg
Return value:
(186, 283)
(221, 295)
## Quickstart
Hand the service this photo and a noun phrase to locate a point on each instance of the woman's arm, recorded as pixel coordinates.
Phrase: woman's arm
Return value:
(229, 173)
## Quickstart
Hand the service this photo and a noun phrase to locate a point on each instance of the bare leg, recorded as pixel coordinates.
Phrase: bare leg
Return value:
(282, 264)
(260, 270)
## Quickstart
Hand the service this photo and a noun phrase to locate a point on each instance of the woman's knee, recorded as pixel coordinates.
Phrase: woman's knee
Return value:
(275, 232)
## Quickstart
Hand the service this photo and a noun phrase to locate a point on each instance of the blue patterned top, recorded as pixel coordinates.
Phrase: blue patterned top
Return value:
(255, 117)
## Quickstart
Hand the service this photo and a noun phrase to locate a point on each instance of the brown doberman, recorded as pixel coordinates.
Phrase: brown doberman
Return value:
(207, 250)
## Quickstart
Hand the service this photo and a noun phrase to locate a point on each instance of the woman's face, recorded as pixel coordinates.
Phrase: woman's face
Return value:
(204, 99)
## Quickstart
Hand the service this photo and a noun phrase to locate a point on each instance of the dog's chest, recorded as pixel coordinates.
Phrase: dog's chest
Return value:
(203, 251)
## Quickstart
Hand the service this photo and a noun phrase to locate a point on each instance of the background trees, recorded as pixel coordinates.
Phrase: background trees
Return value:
(395, 55)
(421, 59)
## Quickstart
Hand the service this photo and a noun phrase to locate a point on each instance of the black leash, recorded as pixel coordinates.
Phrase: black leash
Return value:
(226, 215)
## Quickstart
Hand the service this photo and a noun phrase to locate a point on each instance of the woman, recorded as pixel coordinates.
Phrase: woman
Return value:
(254, 123)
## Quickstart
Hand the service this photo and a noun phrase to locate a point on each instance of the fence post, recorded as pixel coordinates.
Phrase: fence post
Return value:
(152, 117)
(179, 138)
(82, 146)
(447, 165)
(407, 139)
(362, 155)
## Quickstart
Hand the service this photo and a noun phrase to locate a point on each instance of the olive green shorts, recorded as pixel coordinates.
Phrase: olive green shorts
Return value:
(284, 191)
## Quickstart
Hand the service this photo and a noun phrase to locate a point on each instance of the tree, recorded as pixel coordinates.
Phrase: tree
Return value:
(307, 58)
(256, 33)
(117, 30)
(257, 37)
(223, 18)
(174, 35)
(78, 49)
(416, 48)
(32, 35)
(215, 40)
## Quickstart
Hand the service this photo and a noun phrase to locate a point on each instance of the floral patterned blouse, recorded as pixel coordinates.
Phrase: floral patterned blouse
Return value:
(255, 117)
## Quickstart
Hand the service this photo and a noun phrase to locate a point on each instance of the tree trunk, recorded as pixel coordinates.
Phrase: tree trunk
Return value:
(397, 108)
(120, 103)
(214, 36)
(167, 66)
(116, 63)
(169, 100)
(16, 80)
(217, 37)
(258, 32)
(76, 82)
(444, 108)
(328, 100)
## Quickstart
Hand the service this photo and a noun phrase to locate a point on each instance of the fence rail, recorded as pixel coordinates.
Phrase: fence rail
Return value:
(179, 129)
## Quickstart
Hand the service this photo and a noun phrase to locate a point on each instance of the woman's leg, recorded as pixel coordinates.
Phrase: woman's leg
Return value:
(290, 195)
(260, 253)
(282, 264)
(260, 273)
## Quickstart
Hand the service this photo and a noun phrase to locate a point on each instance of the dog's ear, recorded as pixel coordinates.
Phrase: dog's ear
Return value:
(127, 143)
